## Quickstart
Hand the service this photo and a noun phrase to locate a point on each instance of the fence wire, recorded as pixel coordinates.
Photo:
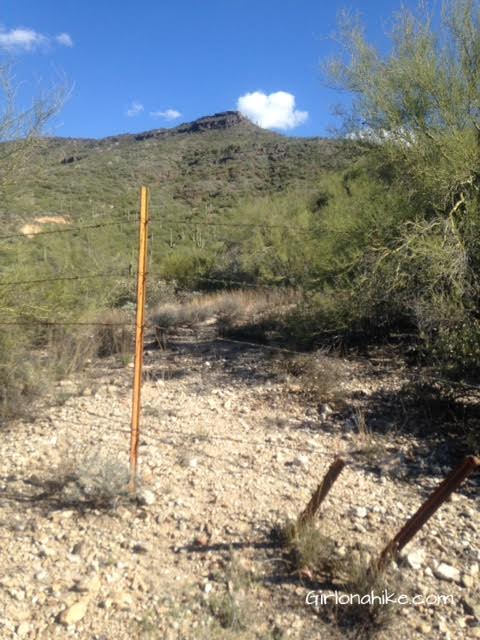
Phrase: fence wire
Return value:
(246, 225)
(84, 276)
(96, 225)
(168, 222)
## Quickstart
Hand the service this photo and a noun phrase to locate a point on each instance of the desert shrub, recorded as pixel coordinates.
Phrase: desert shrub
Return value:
(186, 266)
(19, 380)
(88, 479)
(47, 304)
(318, 376)
(397, 235)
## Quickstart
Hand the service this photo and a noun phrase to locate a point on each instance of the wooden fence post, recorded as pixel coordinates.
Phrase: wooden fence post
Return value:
(139, 336)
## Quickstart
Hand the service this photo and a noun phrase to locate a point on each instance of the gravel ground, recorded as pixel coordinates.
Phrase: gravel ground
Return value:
(227, 451)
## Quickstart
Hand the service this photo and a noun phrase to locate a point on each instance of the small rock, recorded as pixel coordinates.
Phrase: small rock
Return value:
(324, 410)
(23, 629)
(300, 461)
(295, 388)
(443, 626)
(41, 576)
(122, 600)
(424, 627)
(471, 607)
(360, 512)
(467, 581)
(415, 559)
(139, 548)
(105, 604)
(193, 463)
(446, 572)
(146, 497)
(77, 548)
(74, 613)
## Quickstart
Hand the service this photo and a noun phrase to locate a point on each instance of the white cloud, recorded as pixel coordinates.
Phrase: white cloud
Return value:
(168, 114)
(64, 39)
(22, 39)
(273, 111)
(135, 109)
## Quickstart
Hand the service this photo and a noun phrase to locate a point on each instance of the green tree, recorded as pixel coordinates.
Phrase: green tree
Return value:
(22, 127)
(412, 246)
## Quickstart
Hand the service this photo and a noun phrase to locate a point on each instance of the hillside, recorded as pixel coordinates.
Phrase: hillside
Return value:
(214, 161)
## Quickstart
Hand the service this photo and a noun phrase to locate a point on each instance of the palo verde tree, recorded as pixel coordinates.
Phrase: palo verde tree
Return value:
(404, 227)
(22, 126)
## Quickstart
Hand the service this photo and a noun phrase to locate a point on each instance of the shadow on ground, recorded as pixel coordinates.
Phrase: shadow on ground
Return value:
(440, 428)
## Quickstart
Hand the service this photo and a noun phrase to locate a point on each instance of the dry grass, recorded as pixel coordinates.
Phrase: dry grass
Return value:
(229, 611)
(371, 446)
(67, 349)
(233, 605)
(316, 556)
(31, 364)
(226, 310)
(230, 306)
(365, 619)
(114, 334)
(308, 548)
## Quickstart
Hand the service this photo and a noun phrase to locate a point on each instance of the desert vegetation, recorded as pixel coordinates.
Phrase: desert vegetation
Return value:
(311, 298)
(379, 239)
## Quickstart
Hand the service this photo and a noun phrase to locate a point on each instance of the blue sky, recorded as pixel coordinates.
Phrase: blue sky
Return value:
(152, 63)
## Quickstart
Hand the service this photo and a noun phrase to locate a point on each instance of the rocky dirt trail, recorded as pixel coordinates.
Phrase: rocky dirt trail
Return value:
(227, 451)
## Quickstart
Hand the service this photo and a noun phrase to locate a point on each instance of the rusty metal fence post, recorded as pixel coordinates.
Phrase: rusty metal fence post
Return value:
(428, 508)
(321, 492)
(139, 336)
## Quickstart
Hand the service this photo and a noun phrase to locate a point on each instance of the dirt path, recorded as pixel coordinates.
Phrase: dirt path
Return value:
(227, 451)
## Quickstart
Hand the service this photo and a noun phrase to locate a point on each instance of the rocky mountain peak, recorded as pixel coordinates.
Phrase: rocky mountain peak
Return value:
(223, 120)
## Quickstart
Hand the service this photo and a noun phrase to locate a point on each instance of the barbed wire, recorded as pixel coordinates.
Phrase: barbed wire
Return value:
(196, 436)
(214, 280)
(86, 276)
(315, 354)
(208, 223)
(226, 281)
(134, 275)
(61, 323)
(169, 221)
(267, 347)
(96, 225)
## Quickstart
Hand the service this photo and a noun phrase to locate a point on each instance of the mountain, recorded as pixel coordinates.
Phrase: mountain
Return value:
(212, 162)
